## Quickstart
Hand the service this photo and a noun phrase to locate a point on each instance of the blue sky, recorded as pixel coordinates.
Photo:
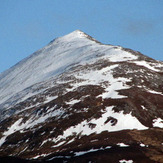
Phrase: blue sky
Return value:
(28, 25)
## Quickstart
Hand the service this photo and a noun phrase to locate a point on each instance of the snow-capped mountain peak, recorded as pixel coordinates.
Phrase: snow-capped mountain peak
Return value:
(75, 34)
(62, 54)
(81, 96)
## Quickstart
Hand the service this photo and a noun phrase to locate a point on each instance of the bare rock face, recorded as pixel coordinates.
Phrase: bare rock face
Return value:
(78, 100)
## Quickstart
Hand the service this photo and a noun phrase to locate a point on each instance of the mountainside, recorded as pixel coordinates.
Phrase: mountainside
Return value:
(78, 100)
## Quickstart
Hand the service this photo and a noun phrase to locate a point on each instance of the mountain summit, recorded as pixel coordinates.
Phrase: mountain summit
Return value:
(78, 100)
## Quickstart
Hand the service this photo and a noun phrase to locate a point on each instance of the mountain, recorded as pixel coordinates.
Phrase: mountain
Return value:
(78, 100)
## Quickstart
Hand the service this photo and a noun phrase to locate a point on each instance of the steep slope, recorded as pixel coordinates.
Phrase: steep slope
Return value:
(60, 55)
(76, 98)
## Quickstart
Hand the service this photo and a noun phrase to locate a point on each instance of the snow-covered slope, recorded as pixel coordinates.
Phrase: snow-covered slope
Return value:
(77, 90)
(60, 55)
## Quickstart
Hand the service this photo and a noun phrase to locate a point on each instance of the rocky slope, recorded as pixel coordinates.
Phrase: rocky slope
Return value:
(78, 100)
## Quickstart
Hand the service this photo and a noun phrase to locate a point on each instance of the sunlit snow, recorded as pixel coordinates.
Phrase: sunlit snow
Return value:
(97, 77)
(146, 64)
(30, 123)
(72, 102)
(125, 161)
(124, 121)
(122, 145)
(142, 145)
(158, 122)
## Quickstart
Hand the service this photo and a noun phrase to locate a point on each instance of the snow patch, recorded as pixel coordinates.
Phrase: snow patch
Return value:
(30, 123)
(158, 122)
(121, 56)
(42, 155)
(126, 161)
(59, 144)
(90, 151)
(142, 145)
(50, 98)
(85, 152)
(124, 121)
(122, 145)
(94, 140)
(146, 64)
(15, 127)
(72, 102)
(58, 157)
(105, 75)
(143, 107)
(154, 92)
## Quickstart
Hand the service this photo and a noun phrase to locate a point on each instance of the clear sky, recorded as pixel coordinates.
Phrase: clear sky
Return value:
(28, 25)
